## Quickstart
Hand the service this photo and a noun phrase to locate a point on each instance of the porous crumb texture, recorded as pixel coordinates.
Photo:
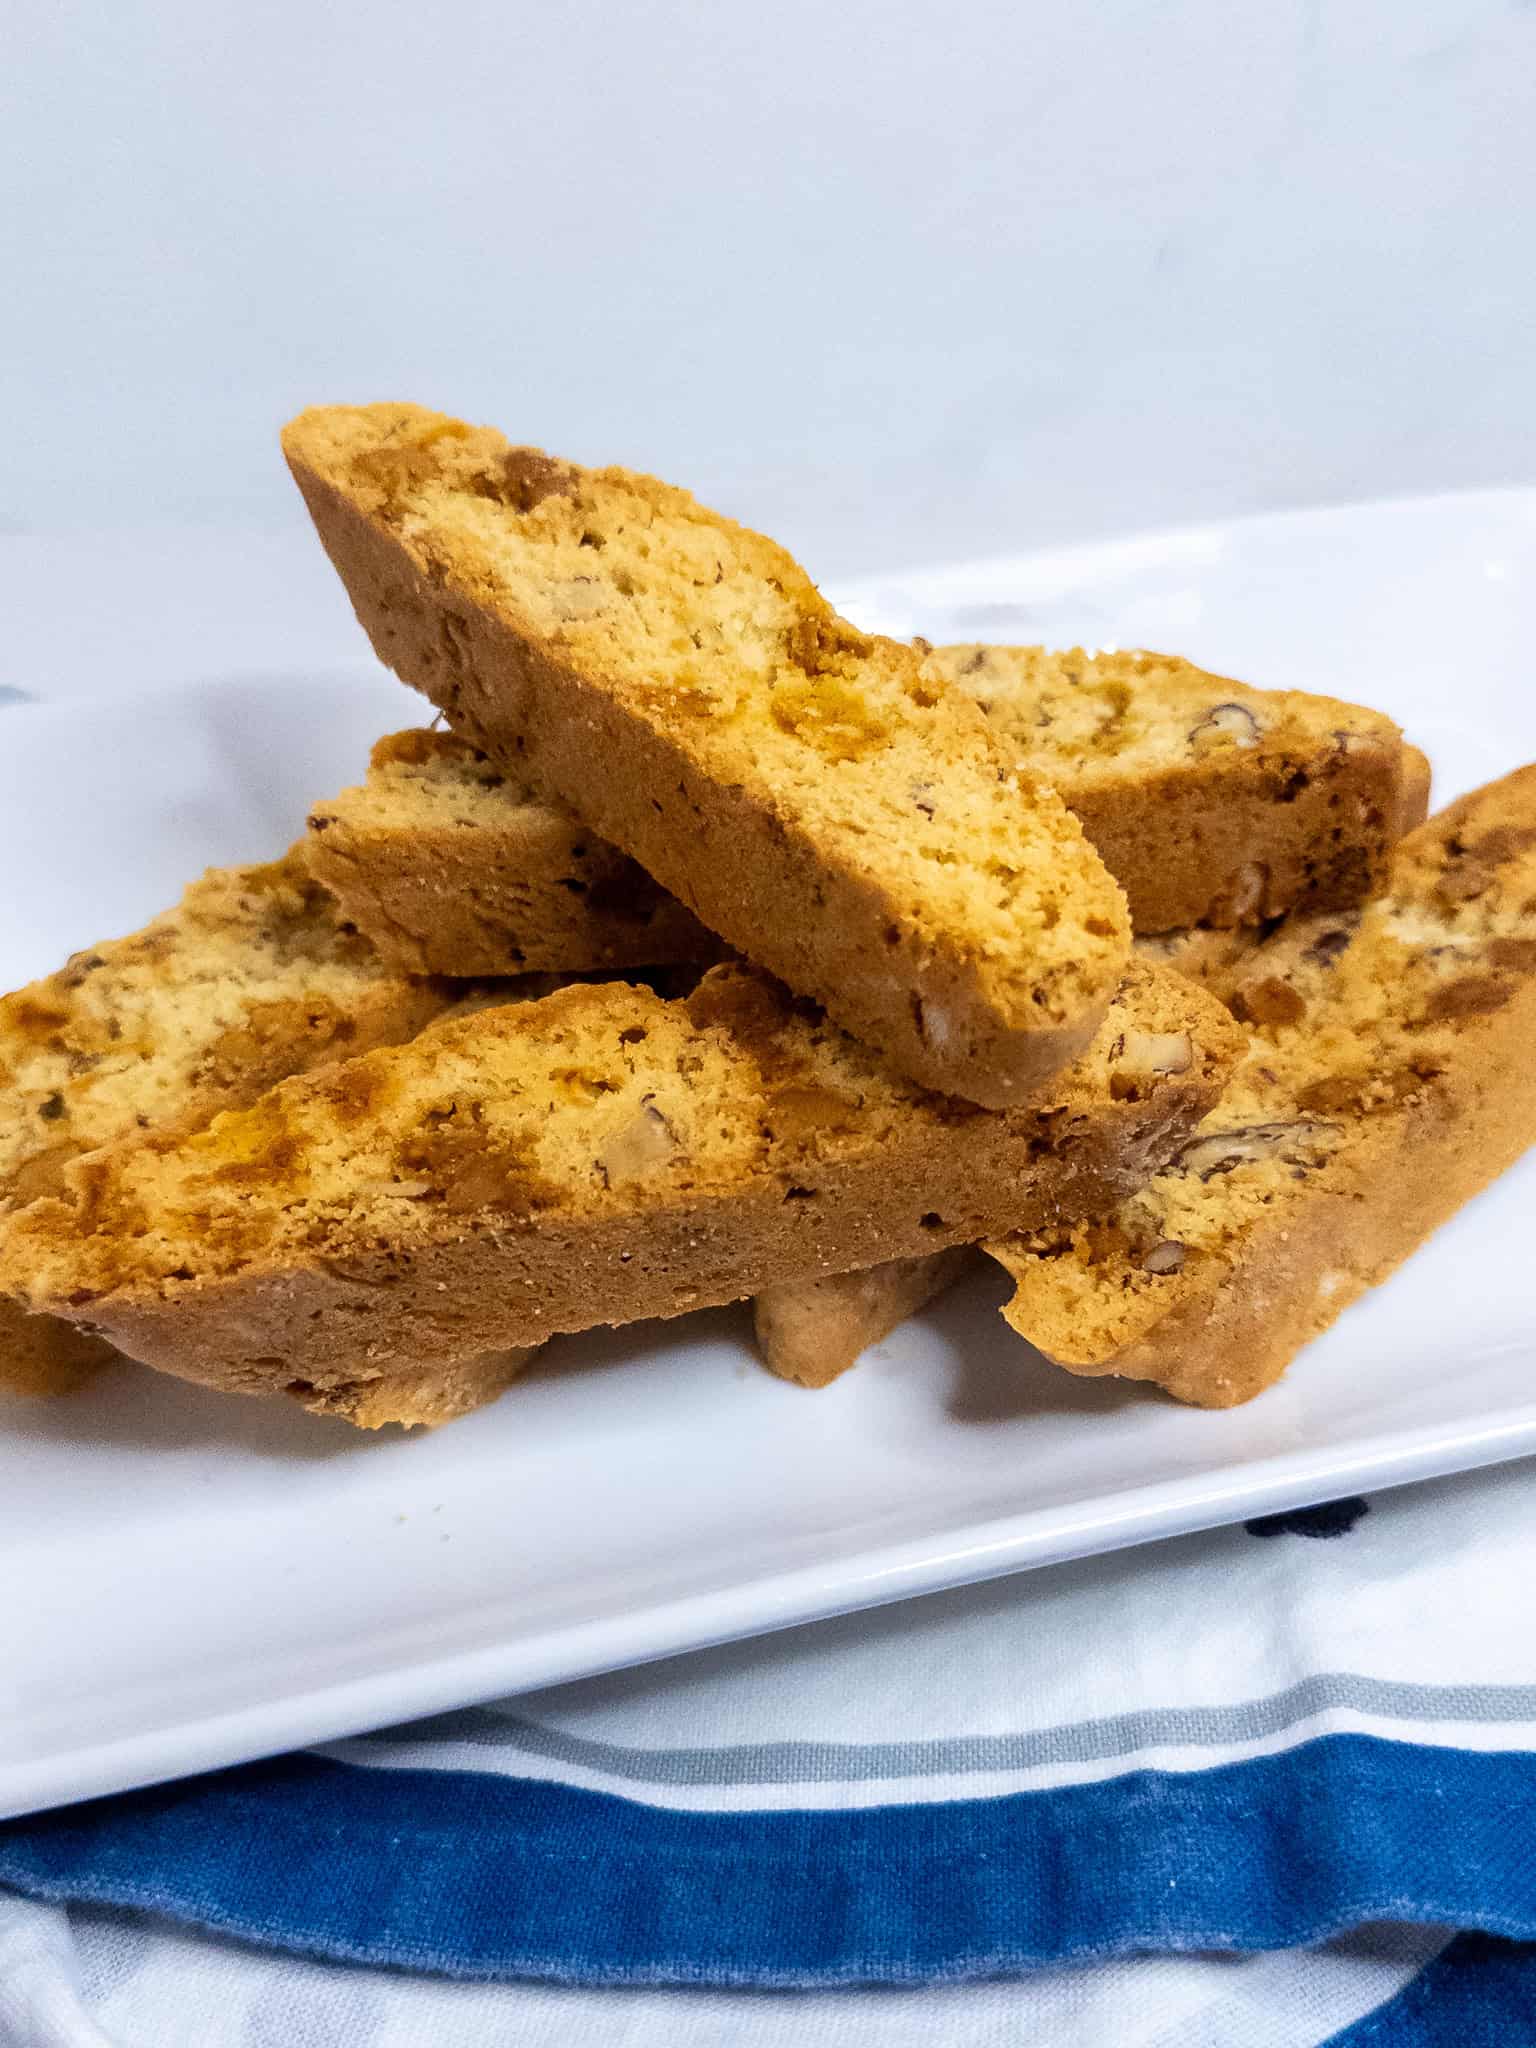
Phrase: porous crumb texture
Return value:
(600, 1156)
(808, 791)
(1209, 802)
(812, 1331)
(1388, 1079)
(451, 866)
(252, 977)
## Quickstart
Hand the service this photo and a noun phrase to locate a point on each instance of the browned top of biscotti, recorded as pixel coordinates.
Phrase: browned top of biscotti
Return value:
(1352, 1019)
(598, 1102)
(1096, 721)
(152, 1028)
(714, 636)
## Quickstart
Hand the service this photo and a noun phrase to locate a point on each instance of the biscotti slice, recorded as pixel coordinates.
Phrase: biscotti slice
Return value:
(812, 1331)
(1389, 1079)
(423, 1397)
(806, 790)
(601, 1156)
(254, 976)
(1209, 802)
(451, 867)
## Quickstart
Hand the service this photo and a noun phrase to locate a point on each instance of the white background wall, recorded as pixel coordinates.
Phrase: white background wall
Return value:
(898, 280)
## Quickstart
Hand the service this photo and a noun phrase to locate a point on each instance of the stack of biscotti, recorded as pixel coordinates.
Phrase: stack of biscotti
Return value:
(665, 747)
(1204, 796)
(431, 858)
(254, 976)
(1214, 806)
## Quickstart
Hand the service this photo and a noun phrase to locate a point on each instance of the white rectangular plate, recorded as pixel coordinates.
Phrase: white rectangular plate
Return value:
(192, 1580)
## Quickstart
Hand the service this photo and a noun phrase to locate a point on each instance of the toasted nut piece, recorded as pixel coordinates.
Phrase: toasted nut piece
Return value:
(1167, 1257)
(1221, 1151)
(1232, 725)
(645, 1141)
(1157, 1052)
(1142, 1058)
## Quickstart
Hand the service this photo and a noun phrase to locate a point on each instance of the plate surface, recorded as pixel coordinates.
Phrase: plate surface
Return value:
(192, 1580)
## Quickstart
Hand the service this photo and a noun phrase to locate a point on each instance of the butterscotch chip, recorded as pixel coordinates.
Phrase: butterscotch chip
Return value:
(808, 791)
(1396, 1084)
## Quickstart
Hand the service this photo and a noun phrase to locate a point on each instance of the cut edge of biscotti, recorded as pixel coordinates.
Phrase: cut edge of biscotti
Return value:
(1388, 1080)
(677, 679)
(598, 1157)
(451, 866)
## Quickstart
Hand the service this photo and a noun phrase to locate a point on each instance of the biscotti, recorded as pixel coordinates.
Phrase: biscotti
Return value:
(1389, 1079)
(451, 867)
(812, 1331)
(420, 1397)
(805, 789)
(254, 976)
(601, 1156)
(1209, 802)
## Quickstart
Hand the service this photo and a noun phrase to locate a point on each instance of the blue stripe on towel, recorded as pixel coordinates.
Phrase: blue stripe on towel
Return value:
(495, 1877)
(1478, 1993)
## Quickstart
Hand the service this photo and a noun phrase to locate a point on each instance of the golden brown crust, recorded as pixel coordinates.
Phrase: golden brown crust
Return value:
(1208, 801)
(598, 1157)
(450, 868)
(812, 1331)
(1389, 1080)
(797, 784)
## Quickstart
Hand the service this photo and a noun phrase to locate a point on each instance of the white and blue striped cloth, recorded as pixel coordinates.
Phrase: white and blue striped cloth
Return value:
(1271, 1786)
